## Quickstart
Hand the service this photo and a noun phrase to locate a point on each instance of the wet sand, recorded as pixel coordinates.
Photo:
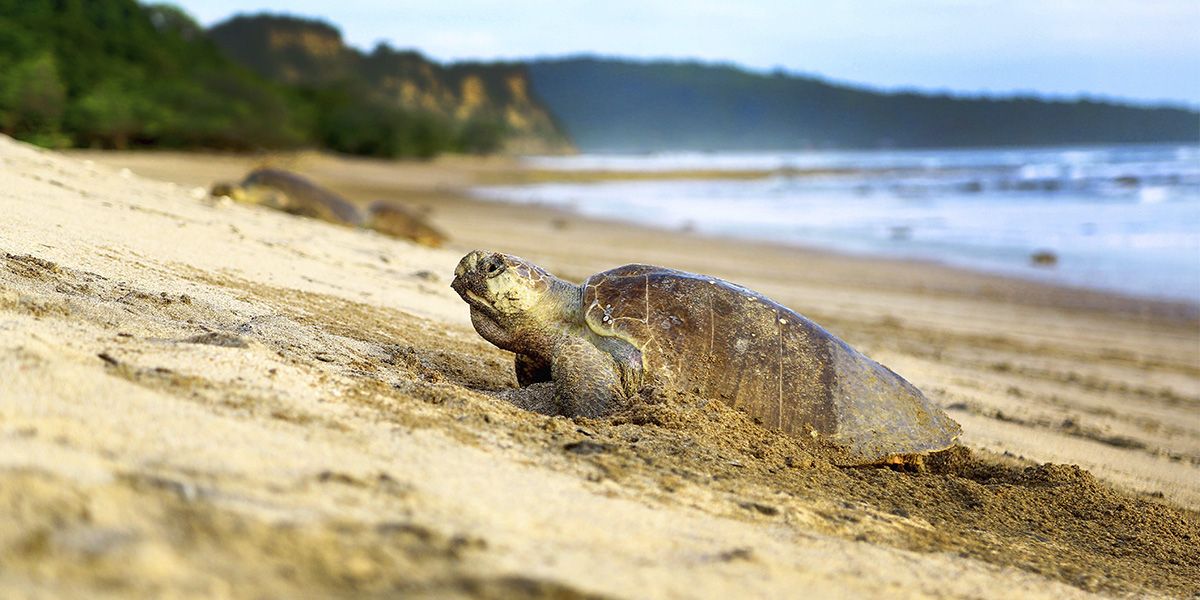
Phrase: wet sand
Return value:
(204, 399)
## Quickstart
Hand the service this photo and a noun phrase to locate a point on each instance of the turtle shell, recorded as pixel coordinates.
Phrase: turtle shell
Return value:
(304, 197)
(719, 340)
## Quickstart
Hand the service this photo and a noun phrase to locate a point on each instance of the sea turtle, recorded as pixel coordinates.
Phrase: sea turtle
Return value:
(591, 349)
(292, 193)
(397, 221)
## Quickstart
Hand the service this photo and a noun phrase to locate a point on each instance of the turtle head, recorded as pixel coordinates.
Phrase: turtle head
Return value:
(502, 284)
(510, 297)
(228, 189)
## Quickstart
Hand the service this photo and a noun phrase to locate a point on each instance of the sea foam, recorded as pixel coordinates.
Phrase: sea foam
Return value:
(1122, 218)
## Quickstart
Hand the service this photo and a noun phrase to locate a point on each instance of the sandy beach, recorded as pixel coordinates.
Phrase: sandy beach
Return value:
(203, 399)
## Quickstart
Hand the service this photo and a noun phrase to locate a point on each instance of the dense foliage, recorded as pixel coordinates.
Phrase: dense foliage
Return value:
(386, 102)
(117, 74)
(616, 105)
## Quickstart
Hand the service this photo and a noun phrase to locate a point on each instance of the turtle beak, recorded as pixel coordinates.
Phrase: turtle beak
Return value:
(465, 272)
(468, 263)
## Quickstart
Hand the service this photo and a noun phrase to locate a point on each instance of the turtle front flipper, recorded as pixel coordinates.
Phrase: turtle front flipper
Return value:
(586, 379)
(628, 359)
(531, 370)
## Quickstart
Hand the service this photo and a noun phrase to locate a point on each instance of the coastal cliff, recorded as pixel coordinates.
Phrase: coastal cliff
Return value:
(119, 74)
(312, 55)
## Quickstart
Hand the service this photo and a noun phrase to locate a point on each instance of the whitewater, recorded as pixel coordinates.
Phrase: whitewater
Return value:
(1117, 218)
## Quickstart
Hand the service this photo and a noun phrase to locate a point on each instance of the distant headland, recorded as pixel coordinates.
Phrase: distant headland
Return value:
(119, 74)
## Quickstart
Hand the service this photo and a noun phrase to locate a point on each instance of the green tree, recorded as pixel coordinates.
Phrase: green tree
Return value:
(427, 136)
(32, 101)
(167, 18)
(109, 115)
(481, 135)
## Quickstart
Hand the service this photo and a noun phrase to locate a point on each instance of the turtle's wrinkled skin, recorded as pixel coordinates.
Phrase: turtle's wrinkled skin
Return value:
(591, 349)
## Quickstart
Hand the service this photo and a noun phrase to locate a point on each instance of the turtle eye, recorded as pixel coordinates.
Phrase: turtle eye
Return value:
(493, 267)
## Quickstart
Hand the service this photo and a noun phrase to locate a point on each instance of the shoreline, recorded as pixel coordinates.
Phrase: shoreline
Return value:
(456, 177)
(1187, 309)
(1007, 323)
(204, 398)
(1127, 241)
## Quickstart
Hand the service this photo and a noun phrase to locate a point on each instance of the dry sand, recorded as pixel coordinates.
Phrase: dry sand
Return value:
(202, 399)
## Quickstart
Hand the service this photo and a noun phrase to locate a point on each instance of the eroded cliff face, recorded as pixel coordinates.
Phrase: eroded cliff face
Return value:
(468, 91)
(313, 54)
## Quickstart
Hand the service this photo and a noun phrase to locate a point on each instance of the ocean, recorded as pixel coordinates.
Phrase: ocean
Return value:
(1119, 218)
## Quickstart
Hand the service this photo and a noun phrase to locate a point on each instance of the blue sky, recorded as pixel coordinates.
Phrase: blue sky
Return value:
(1143, 50)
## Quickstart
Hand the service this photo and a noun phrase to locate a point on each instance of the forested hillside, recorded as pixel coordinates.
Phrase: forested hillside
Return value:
(114, 73)
(619, 105)
(362, 96)
(118, 74)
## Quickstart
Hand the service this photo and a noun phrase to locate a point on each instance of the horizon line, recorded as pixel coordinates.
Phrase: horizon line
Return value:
(958, 94)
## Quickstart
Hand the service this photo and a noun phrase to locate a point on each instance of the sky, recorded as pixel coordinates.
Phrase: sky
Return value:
(1141, 50)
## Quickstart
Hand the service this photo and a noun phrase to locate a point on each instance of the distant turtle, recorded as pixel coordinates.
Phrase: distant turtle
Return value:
(398, 221)
(590, 349)
(292, 193)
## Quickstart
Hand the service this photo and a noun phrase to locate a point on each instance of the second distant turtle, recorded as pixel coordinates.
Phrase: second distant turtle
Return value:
(398, 221)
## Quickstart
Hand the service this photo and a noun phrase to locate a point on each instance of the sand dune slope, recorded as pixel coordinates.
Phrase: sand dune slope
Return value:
(200, 399)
